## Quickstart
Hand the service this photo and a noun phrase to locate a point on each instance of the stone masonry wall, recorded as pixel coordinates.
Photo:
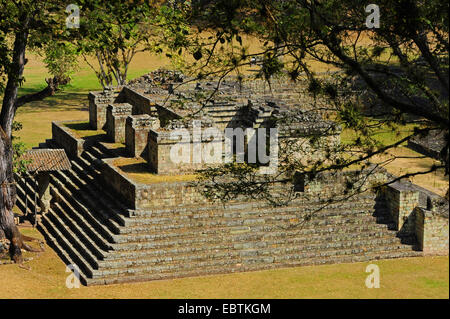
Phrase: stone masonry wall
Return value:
(432, 232)
(161, 144)
(116, 117)
(137, 128)
(145, 196)
(421, 213)
(402, 200)
(64, 138)
(98, 102)
(144, 105)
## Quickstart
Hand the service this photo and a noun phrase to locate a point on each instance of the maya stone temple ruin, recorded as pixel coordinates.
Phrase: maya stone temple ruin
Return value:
(97, 214)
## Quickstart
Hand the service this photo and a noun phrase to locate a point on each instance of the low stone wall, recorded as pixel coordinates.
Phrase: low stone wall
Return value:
(141, 196)
(122, 186)
(64, 138)
(170, 194)
(431, 231)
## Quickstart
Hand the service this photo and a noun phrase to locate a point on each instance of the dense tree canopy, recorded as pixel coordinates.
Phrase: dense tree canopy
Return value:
(399, 68)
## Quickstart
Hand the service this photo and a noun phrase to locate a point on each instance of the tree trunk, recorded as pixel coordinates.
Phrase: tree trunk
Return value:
(7, 184)
(8, 199)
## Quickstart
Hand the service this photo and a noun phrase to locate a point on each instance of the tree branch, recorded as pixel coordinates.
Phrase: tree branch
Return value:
(52, 87)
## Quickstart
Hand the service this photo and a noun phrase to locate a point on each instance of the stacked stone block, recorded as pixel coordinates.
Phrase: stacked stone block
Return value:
(402, 200)
(137, 128)
(98, 103)
(116, 117)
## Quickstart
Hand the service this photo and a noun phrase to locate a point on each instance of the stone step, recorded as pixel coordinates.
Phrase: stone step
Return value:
(224, 119)
(308, 250)
(67, 247)
(160, 226)
(142, 241)
(136, 275)
(222, 112)
(24, 199)
(292, 214)
(94, 229)
(92, 159)
(217, 243)
(102, 201)
(90, 195)
(62, 253)
(57, 233)
(82, 232)
(72, 238)
(361, 257)
(99, 151)
(360, 202)
(212, 109)
(84, 203)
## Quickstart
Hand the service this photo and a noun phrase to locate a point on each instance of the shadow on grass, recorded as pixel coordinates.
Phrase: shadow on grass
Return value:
(61, 101)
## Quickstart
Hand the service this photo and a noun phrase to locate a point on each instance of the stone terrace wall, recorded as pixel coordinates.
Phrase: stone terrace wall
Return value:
(140, 196)
(310, 140)
(156, 195)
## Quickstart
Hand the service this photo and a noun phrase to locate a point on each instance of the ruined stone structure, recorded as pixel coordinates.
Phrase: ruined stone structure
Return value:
(116, 229)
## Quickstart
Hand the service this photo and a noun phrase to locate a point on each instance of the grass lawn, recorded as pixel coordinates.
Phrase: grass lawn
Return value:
(426, 277)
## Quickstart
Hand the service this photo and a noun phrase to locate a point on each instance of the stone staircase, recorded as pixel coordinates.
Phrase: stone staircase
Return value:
(227, 114)
(89, 227)
(223, 114)
(110, 243)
